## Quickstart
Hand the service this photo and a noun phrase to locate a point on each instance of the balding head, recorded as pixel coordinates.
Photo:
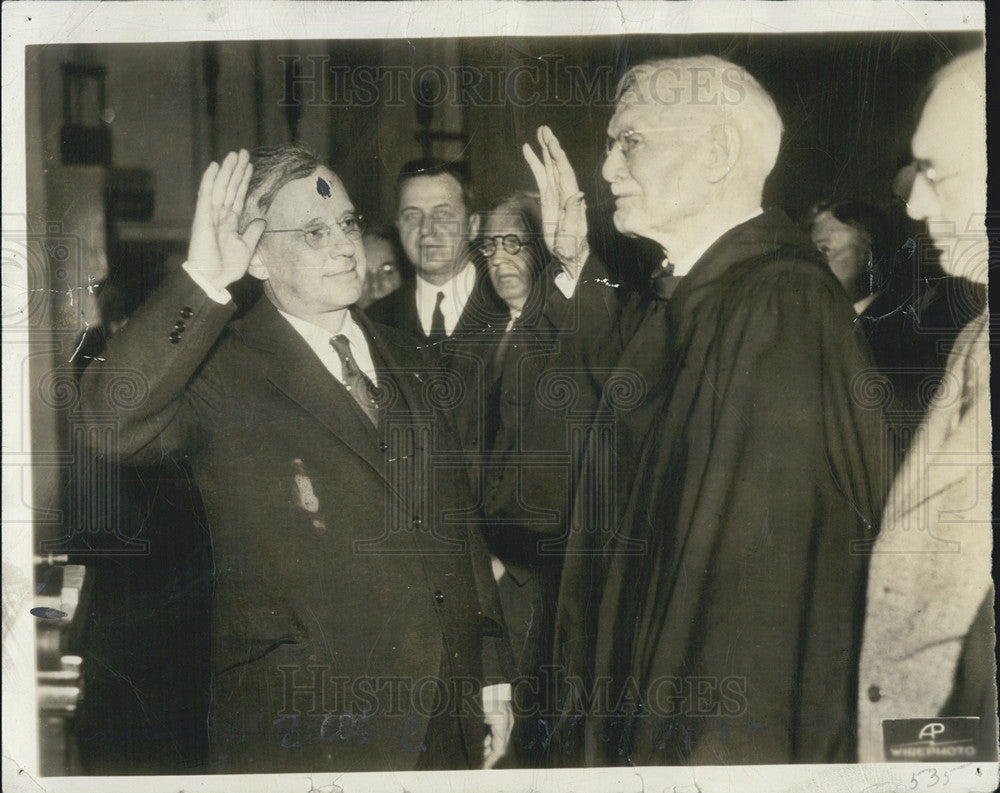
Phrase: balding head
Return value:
(949, 147)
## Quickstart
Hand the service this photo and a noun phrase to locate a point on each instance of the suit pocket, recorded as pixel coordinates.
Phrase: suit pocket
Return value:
(256, 632)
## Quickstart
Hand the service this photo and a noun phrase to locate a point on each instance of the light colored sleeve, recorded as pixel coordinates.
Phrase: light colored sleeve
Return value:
(220, 296)
(495, 696)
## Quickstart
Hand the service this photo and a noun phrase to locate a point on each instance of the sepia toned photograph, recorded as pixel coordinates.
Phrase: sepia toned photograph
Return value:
(497, 396)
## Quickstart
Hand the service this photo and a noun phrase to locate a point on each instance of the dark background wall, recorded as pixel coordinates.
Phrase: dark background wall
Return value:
(848, 103)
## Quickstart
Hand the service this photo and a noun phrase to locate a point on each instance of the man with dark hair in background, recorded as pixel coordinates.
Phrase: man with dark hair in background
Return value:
(450, 296)
(910, 325)
(339, 586)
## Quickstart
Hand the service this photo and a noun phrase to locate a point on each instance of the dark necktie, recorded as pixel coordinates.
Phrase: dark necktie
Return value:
(501, 352)
(438, 332)
(663, 282)
(355, 381)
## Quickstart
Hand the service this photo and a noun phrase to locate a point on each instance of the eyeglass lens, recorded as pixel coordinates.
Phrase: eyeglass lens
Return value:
(510, 242)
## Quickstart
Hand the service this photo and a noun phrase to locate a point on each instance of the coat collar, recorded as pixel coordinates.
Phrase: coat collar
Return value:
(293, 368)
(483, 310)
(762, 235)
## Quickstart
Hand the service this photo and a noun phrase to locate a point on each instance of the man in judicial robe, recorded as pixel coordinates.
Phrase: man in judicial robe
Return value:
(713, 616)
(355, 621)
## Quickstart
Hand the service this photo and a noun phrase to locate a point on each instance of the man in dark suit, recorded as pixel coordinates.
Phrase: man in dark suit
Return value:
(451, 305)
(354, 621)
(715, 616)
(450, 296)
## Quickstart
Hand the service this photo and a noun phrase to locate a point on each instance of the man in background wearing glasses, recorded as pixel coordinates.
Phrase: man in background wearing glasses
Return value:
(352, 627)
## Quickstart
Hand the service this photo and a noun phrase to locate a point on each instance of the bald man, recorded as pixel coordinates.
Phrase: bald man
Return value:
(928, 635)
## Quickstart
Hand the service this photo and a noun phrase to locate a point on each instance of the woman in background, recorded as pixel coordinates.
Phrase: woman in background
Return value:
(384, 274)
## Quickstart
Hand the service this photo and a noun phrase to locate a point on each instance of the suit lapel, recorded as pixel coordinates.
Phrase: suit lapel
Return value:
(294, 369)
(409, 320)
(395, 362)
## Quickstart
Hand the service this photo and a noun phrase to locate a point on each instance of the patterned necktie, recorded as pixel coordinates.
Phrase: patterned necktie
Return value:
(437, 321)
(355, 381)
(663, 282)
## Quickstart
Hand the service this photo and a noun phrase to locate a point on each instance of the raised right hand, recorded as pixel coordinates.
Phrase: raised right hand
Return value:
(564, 218)
(217, 250)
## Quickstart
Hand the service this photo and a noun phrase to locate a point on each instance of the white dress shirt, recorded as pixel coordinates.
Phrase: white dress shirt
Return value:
(863, 303)
(456, 295)
(566, 282)
(316, 337)
(319, 340)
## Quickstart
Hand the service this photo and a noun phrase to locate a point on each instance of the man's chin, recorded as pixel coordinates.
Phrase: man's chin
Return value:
(623, 225)
(349, 293)
(964, 257)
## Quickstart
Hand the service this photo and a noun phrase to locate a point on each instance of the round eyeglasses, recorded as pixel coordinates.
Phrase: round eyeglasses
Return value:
(511, 244)
(318, 236)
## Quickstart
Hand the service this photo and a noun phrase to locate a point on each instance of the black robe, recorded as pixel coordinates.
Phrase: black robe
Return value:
(719, 622)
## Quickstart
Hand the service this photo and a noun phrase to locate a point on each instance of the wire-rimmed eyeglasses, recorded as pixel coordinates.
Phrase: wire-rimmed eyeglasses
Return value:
(318, 236)
(627, 140)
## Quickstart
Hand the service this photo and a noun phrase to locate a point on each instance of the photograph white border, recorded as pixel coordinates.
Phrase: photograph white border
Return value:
(30, 23)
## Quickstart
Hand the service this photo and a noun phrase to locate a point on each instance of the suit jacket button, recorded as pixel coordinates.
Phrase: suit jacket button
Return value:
(175, 337)
(179, 325)
(186, 312)
(439, 596)
(874, 693)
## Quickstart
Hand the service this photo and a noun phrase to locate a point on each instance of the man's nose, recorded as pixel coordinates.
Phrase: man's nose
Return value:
(613, 167)
(341, 244)
(922, 201)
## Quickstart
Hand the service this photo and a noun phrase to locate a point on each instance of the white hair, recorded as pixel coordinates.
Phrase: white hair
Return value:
(711, 87)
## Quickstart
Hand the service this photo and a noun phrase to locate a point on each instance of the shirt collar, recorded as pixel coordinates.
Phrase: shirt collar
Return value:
(456, 294)
(863, 303)
(684, 264)
(319, 340)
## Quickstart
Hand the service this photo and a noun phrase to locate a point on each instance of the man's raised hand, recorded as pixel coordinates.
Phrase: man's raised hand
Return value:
(218, 251)
(564, 217)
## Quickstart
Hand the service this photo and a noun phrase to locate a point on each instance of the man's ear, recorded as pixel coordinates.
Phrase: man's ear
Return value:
(474, 219)
(723, 151)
